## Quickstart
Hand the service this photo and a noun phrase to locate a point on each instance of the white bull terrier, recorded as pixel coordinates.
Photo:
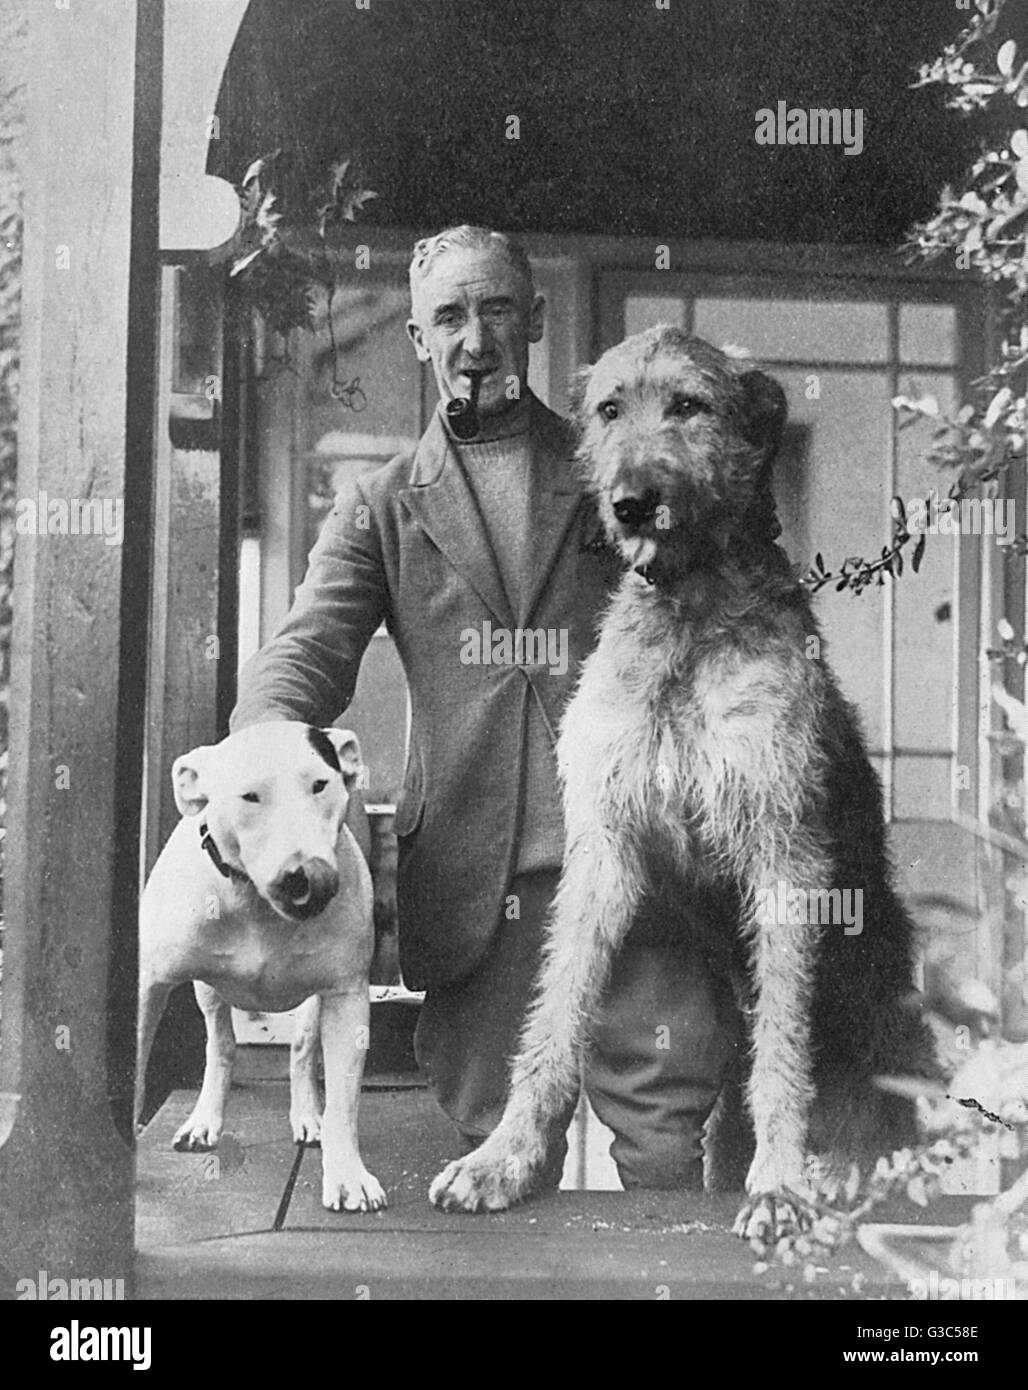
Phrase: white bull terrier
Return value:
(263, 899)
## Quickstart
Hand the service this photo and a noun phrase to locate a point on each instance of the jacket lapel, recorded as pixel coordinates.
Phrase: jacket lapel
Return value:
(558, 497)
(440, 500)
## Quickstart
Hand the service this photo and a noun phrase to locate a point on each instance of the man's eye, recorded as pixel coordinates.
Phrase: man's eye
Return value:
(319, 785)
(610, 410)
(250, 796)
(686, 406)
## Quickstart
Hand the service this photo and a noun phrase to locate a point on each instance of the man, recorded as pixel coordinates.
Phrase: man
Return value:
(458, 549)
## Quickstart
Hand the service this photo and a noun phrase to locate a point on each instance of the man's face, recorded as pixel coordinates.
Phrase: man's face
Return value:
(473, 310)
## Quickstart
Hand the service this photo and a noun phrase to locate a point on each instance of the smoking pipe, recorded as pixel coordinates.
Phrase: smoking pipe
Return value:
(462, 411)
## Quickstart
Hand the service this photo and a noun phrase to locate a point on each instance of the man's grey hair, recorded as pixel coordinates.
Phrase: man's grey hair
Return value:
(467, 238)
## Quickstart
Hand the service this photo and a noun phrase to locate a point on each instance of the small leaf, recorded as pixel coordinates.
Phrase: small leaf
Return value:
(240, 265)
(1005, 630)
(1006, 57)
(267, 219)
(254, 172)
(918, 555)
(852, 1183)
(916, 1191)
(997, 405)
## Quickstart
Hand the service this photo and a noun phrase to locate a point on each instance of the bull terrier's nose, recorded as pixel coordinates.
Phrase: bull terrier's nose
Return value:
(635, 510)
(306, 891)
(296, 887)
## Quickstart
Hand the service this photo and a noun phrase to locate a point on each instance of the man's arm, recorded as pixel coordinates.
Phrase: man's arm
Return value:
(309, 668)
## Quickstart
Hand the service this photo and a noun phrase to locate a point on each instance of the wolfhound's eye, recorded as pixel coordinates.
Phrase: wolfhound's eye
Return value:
(250, 796)
(610, 410)
(684, 407)
(319, 785)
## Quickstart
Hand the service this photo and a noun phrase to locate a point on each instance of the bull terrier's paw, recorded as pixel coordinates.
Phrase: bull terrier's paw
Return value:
(489, 1179)
(768, 1217)
(306, 1124)
(355, 1190)
(199, 1133)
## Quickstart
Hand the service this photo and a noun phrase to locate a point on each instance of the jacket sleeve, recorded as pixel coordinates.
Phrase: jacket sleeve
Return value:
(309, 668)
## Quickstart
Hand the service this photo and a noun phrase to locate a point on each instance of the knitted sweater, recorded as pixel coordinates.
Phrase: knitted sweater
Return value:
(499, 465)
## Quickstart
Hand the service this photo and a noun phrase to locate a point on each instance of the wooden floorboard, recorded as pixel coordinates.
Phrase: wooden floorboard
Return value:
(204, 1225)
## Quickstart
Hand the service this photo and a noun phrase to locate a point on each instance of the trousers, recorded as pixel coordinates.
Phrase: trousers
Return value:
(659, 1048)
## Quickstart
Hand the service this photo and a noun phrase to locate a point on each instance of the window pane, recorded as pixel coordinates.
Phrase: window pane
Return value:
(832, 480)
(797, 329)
(926, 603)
(642, 312)
(921, 788)
(928, 333)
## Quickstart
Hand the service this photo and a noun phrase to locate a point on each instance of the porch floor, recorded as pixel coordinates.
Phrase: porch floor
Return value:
(204, 1225)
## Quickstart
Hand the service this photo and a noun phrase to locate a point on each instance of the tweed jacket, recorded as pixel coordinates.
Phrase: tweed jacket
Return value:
(407, 545)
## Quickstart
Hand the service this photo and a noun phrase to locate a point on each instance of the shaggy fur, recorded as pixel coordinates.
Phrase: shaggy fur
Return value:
(708, 745)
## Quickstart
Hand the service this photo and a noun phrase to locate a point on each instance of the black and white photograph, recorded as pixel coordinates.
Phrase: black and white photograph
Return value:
(513, 650)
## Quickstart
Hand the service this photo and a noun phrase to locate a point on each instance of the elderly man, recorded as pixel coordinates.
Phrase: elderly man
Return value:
(456, 549)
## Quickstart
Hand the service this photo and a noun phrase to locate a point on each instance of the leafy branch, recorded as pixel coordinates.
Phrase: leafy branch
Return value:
(985, 1099)
(856, 573)
(283, 254)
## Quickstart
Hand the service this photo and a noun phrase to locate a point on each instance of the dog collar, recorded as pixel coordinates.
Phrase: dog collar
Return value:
(226, 870)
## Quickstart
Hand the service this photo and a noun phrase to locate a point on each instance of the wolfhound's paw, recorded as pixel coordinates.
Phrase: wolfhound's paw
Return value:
(490, 1179)
(768, 1217)
(353, 1189)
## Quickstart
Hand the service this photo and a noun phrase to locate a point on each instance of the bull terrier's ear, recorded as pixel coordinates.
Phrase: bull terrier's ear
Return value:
(186, 778)
(763, 410)
(348, 751)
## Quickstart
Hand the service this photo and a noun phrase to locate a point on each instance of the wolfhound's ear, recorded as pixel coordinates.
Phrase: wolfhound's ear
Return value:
(763, 410)
(577, 387)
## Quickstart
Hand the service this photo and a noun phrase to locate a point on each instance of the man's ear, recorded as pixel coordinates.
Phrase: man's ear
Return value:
(763, 410)
(348, 751)
(537, 318)
(187, 780)
(417, 336)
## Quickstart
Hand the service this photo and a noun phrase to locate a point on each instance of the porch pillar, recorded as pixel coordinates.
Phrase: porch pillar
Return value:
(86, 428)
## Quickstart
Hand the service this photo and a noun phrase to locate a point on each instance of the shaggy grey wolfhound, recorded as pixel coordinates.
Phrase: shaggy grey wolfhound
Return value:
(708, 744)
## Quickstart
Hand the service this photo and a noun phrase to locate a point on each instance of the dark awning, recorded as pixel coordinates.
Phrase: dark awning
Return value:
(633, 119)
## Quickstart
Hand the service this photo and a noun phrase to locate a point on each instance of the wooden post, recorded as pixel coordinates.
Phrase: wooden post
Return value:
(80, 640)
(191, 644)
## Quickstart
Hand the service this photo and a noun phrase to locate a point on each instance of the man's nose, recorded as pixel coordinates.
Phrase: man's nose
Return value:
(477, 336)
